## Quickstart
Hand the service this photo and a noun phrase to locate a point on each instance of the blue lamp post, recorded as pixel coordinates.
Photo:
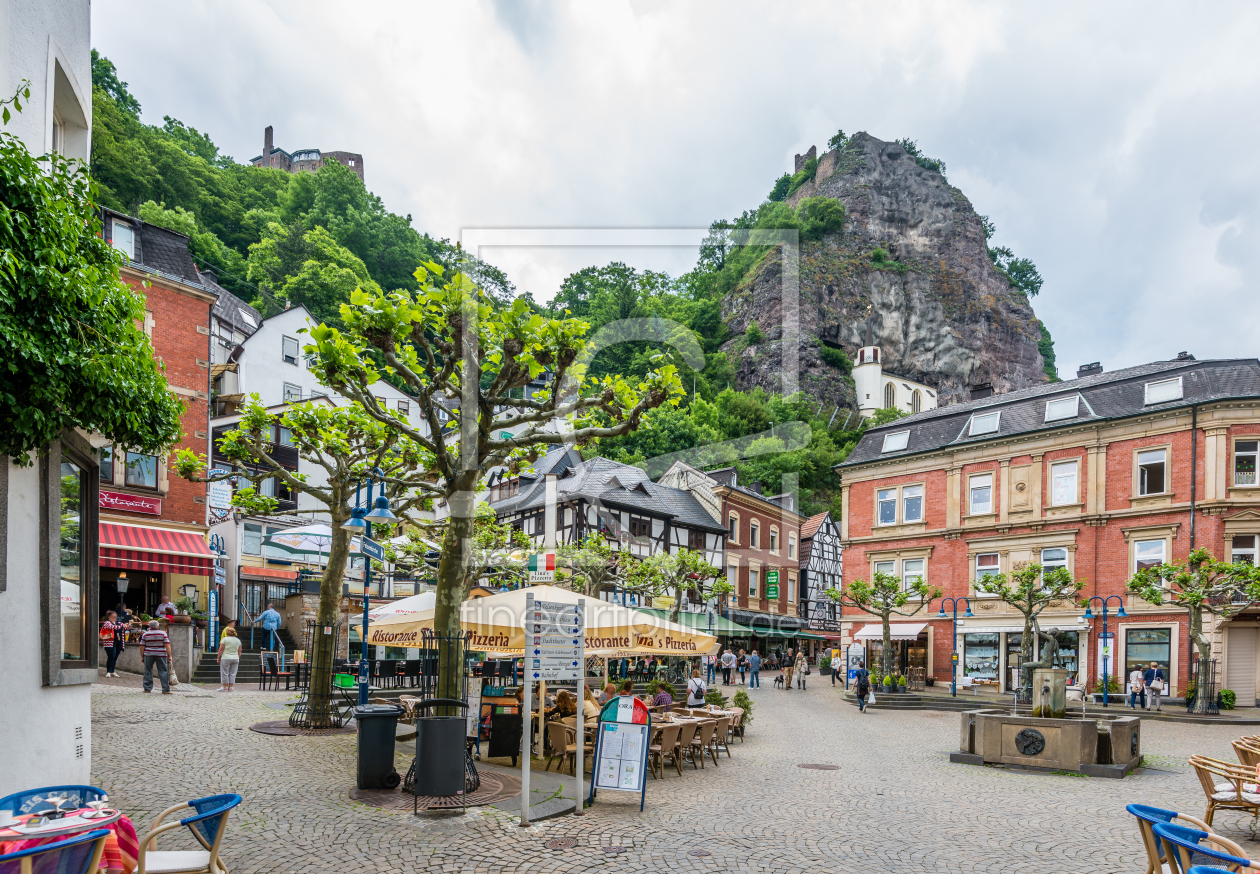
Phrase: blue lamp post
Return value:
(1120, 614)
(953, 656)
(360, 522)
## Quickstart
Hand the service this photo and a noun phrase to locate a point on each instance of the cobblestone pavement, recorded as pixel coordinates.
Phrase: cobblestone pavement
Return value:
(895, 804)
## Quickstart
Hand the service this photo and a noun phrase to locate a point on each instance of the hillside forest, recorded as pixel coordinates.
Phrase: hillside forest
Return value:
(276, 239)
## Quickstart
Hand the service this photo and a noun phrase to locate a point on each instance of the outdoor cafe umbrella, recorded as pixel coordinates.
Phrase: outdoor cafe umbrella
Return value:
(497, 624)
(305, 540)
(406, 606)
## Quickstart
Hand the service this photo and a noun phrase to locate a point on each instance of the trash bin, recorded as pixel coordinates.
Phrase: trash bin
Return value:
(378, 728)
(440, 751)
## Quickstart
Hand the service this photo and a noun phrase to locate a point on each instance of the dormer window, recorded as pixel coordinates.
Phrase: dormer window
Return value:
(124, 240)
(1163, 391)
(986, 423)
(896, 442)
(1062, 408)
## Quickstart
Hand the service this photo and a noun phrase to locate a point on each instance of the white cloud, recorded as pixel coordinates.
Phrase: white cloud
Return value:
(1114, 145)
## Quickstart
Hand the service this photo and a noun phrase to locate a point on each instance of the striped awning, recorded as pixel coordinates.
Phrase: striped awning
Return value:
(160, 550)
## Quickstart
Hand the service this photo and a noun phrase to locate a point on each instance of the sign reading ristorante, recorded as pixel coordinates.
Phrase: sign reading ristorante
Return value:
(130, 503)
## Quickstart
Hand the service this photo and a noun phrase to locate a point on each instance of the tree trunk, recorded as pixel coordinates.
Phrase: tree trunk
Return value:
(452, 586)
(319, 700)
(1025, 655)
(888, 656)
(1202, 696)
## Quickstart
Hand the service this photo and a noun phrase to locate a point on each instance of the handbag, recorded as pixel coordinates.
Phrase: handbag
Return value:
(1157, 685)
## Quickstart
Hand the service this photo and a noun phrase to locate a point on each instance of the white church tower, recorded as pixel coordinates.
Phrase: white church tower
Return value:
(877, 389)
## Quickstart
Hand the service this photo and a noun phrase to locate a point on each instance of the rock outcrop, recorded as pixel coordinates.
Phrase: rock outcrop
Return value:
(941, 312)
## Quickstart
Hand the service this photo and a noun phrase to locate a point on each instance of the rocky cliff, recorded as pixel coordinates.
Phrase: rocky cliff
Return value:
(910, 267)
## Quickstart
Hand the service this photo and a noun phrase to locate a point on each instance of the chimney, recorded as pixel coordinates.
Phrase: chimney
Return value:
(981, 390)
(1184, 356)
(268, 145)
(755, 487)
(1089, 369)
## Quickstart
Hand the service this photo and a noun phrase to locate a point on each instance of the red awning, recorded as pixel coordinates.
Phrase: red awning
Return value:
(268, 573)
(144, 548)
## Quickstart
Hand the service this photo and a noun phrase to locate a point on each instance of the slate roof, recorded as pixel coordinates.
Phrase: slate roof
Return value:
(1103, 397)
(230, 308)
(159, 250)
(726, 477)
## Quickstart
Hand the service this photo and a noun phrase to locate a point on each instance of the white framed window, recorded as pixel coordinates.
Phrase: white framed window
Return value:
(404, 407)
(753, 575)
(1163, 391)
(985, 423)
(1243, 549)
(886, 567)
(988, 564)
(1062, 408)
(141, 470)
(1053, 557)
(289, 350)
(791, 545)
(774, 540)
(886, 503)
(754, 538)
(1152, 471)
(292, 393)
(896, 442)
(912, 572)
(981, 494)
(1149, 553)
(732, 576)
(1245, 454)
(791, 589)
(1063, 476)
(732, 528)
(442, 417)
(911, 504)
(124, 240)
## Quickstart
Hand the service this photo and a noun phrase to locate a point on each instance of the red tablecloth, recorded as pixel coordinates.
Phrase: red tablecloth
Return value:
(122, 847)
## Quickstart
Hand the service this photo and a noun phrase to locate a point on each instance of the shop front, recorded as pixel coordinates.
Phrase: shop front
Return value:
(994, 656)
(911, 646)
(139, 564)
(769, 633)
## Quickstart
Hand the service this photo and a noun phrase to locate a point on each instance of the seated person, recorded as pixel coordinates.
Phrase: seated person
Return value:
(610, 692)
(590, 708)
(663, 697)
(627, 689)
(566, 705)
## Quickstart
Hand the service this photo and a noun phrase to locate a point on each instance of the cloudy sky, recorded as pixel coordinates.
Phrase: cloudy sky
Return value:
(1115, 145)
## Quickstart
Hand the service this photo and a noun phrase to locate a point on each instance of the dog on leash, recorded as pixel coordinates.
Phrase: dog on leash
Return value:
(778, 681)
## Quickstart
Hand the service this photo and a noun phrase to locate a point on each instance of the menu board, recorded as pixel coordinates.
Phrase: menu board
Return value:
(621, 758)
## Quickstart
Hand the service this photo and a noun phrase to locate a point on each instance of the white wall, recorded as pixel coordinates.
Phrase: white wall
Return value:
(37, 723)
(36, 37)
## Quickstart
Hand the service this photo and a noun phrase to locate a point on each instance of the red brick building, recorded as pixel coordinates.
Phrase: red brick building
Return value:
(1102, 474)
(153, 524)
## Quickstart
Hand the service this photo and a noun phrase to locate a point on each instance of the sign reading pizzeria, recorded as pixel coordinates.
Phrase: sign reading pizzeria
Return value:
(130, 503)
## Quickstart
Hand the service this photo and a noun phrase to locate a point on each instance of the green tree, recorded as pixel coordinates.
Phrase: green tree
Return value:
(780, 189)
(1030, 590)
(1201, 584)
(74, 356)
(307, 267)
(593, 564)
(678, 575)
(820, 216)
(838, 141)
(886, 597)
(105, 77)
(912, 149)
(497, 549)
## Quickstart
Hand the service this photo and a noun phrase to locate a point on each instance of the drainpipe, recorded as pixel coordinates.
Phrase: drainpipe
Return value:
(1194, 467)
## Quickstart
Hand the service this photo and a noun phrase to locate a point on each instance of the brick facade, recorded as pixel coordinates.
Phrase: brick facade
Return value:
(743, 555)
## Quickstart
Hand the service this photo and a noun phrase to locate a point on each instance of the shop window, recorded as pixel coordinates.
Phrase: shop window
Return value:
(753, 539)
(1063, 483)
(1245, 452)
(289, 350)
(911, 572)
(1069, 652)
(1145, 645)
(107, 464)
(988, 564)
(142, 470)
(753, 575)
(980, 656)
(912, 504)
(886, 503)
(1152, 478)
(1243, 549)
(895, 442)
(74, 561)
(1149, 553)
(981, 489)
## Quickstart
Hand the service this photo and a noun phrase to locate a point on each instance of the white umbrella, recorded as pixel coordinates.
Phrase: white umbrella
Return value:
(306, 539)
(405, 606)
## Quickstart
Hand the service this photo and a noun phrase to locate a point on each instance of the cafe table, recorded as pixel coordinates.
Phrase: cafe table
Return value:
(122, 848)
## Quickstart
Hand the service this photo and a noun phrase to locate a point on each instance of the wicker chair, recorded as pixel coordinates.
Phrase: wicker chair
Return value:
(78, 854)
(736, 728)
(1150, 816)
(720, 737)
(207, 824)
(703, 742)
(666, 745)
(1248, 752)
(686, 749)
(563, 741)
(1187, 848)
(1213, 775)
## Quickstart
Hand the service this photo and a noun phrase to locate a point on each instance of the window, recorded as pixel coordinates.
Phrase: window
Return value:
(981, 494)
(1151, 471)
(886, 502)
(107, 464)
(58, 133)
(988, 564)
(912, 504)
(791, 589)
(404, 407)
(732, 576)
(1063, 408)
(753, 540)
(732, 529)
(251, 542)
(753, 574)
(916, 401)
(124, 240)
(442, 415)
(640, 526)
(1245, 462)
(289, 350)
(911, 573)
(1243, 549)
(141, 470)
(774, 540)
(1148, 553)
(886, 567)
(791, 545)
(890, 395)
(292, 393)
(1063, 483)
(1163, 391)
(75, 569)
(1053, 558)
(695, 540)
(1145, 645)
(986, 423)
(896, 442)
(284, 436)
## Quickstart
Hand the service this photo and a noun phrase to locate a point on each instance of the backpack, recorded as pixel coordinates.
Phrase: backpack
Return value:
(695, 688)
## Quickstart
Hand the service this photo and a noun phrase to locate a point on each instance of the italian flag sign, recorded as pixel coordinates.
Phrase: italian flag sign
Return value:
(542, 561)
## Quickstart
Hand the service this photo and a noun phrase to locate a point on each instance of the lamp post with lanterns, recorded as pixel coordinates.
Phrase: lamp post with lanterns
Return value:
(360, 522)
(953, 656)
(1105, 639)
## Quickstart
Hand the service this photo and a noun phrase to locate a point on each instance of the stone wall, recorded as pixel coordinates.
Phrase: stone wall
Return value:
(185, 655)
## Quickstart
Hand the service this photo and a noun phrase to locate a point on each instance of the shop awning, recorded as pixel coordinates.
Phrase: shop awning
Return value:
(160, 550)
(721, 625)
(275, 574)
(899, 631)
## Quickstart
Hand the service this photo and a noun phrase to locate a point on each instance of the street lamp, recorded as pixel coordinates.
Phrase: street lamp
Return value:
(953, 656)
(360, 522)
(1120, 614)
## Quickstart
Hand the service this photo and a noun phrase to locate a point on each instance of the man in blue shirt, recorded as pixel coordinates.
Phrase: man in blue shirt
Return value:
(1155, 683)
(271, 621)
(754, 665)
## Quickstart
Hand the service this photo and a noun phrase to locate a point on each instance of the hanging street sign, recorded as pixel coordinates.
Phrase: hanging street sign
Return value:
(372, 549)
(556, 640)
(542, 569)
(772, 585)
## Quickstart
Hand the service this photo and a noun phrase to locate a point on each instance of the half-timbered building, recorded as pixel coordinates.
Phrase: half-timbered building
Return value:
(822, 568)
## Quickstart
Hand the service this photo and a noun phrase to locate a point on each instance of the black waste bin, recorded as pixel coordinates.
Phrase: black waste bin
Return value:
(378, 728)
(440, 751)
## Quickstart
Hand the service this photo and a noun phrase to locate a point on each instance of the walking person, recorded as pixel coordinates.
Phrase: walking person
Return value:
(1137, 689)
(156, 647)
(271, 621)
(743, 666)
(836, 667)
(229, 658)
(802, 669)
(113, 637)
(695, 690)
(1155, 681)
(862, 685)
(789, 665)
(710, 668)
(754, 670)
(728, 662)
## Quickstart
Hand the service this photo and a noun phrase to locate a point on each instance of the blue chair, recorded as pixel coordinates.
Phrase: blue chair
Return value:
(32, 800)
(1187, 848)
(79, 854)
(1147, 817)
(207, 825)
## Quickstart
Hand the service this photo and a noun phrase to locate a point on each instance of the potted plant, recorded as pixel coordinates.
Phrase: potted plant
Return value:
(901, 683)
(929, 681)
(201, 619)
(184, 605)
(889, 685)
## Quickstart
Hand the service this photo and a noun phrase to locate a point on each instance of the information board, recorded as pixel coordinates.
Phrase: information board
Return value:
(554, 634)
(542, 567)
(621, 747)
(772, 585)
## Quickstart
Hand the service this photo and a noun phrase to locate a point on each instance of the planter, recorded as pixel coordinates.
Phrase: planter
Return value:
(201, 623)
(181, 619)
(930, 681)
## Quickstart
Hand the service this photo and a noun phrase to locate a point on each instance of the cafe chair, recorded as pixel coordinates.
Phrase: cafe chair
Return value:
(558, 735)
(1147, 817)
(720, 737)
(666, 745)
(31, 800)
(685, 751)
(79, 854)
(207, 825)
(1187, 848)
(1227, 786)
(703, 742)
(736, 729)
(1248, 752)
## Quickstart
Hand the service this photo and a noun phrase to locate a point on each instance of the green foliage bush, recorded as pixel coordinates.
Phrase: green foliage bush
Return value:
(1228, 699)
(805, 174)
(836, 358)
(878, 256)
(744, 702)
(753, 335)
(912, 149)
(820, 216)
(716, 698)
(781, 186)
(824, 664)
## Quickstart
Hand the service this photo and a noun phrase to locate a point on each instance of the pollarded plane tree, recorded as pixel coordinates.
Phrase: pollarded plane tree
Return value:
(886, 596)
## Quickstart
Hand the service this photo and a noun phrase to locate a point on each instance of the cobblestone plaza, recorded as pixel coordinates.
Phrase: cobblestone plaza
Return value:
(895, 803)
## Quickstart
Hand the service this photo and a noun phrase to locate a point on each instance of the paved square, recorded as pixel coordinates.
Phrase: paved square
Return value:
(894, 804)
